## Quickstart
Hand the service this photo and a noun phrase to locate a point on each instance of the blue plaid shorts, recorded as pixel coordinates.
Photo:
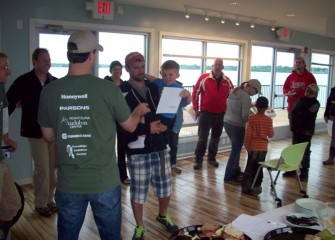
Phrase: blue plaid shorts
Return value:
(145, 169)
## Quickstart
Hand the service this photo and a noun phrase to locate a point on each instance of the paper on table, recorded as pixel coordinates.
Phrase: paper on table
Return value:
(170, 100)
(256, 228)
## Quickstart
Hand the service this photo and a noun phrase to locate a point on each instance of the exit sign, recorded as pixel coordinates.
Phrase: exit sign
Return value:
(103, 9)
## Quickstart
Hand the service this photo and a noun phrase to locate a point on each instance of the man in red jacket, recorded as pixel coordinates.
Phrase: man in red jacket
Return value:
(297, 82)
(209, 99)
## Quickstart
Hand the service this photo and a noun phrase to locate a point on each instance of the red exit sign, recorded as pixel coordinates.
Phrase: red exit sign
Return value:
(103, 9)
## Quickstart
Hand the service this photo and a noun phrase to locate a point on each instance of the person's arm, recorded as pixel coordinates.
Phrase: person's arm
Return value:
(5, 129)
(150, 77)
(48, 134)
(13, 96)
(271, 130)
(186, 96)
(196, 96)
(247, 137)
(131, 123)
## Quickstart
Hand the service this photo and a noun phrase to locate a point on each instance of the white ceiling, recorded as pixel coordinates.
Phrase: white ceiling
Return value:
(311, 16)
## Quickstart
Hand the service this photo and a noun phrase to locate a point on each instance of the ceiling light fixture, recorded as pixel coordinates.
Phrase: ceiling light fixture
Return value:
(187, 12)
(252, 25)
(223, 20)
(206, 16)
(273, 28)
(237, 23)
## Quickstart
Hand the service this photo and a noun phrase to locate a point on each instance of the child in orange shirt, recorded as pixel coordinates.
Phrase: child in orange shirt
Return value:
(259, 129)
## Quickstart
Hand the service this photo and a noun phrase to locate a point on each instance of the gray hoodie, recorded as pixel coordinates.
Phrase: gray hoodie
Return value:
(238, 108)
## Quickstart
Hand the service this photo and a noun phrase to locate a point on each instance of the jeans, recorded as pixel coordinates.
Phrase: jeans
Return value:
(208, 121)
(236, 136)
(106, 208)
(300, 138)
(173, 143)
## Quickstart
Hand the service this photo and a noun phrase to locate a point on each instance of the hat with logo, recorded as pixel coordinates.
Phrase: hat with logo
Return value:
(313, 87)
(133, 57)
(255, 84)
(262, 102)
(83, 42)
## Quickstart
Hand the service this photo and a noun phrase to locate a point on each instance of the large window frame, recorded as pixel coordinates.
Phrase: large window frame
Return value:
(205, 60)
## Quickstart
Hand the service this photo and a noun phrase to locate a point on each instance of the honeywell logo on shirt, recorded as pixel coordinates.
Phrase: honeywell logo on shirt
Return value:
(74, 97)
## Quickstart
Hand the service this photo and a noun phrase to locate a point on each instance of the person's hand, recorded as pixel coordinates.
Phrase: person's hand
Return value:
(155, 127)
(289, 93)
(184, 93)
(326, 119)
(197, 113)
(12, 144)
(162, 127)
(144, 108)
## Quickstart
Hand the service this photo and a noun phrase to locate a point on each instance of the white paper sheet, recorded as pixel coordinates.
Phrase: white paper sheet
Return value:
(169, 101)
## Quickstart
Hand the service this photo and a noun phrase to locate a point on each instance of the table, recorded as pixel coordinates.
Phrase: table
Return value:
(258, 226)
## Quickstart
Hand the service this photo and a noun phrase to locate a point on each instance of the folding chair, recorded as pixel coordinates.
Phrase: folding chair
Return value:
(289, 160)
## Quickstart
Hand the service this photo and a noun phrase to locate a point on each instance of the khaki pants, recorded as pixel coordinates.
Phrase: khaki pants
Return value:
(44, 178)
(10, 200)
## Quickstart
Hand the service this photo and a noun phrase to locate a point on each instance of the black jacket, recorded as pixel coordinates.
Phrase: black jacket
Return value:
(153, 142)
(303, 115)
(27, 90)
(330, 108)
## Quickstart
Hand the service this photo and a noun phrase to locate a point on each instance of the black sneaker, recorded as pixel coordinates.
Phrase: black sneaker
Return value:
(289, 174)
(197, 165)
(167, 223)
(214, 163)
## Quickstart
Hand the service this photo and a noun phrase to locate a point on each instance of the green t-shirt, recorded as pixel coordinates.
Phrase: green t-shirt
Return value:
(82, 111)
(3, 104)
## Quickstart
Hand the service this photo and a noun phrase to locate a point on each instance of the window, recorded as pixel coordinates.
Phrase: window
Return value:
(322, 68)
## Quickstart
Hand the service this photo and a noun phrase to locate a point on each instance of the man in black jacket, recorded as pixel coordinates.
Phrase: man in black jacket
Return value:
(25, 92)
(150, 164)
(330, 115)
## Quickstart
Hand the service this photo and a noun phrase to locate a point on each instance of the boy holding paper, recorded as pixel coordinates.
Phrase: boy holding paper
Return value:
(170, 73)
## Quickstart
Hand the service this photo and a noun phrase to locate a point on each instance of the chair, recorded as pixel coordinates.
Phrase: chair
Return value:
(289, 160)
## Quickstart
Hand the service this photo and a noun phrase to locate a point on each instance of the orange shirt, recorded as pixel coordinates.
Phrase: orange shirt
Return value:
(259, 129)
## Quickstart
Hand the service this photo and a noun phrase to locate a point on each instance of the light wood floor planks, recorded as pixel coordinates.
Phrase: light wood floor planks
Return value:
(198, 197)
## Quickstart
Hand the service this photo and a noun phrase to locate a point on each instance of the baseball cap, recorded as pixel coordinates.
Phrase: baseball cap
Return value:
(83, 42)
(133, 57)
(313, 87)
(255, 84)
(262, 102)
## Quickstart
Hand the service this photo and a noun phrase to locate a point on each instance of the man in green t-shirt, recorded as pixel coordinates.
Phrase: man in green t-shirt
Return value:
(78, 112)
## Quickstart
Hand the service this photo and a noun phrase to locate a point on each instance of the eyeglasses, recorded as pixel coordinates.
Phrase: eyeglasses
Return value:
(5, 68)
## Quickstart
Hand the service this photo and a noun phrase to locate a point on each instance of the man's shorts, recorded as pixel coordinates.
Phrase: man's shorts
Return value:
(145, 169)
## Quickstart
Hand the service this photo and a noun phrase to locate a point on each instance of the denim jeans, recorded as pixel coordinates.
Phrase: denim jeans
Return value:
(236, 136)
(208, 121)
(106, 208)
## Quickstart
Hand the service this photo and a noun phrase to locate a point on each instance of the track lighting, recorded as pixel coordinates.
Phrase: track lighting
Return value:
(223, 15)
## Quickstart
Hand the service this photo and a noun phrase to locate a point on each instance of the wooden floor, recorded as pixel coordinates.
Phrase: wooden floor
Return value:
(198, 197)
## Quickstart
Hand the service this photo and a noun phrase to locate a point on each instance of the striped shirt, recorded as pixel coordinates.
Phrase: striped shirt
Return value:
(259, 129)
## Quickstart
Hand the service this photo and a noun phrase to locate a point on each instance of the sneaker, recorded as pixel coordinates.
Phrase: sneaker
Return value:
(167, 223)
(328, 162)
(127, 181)
(197, 165)
(52, 206)
(214, 163)
(289, 174)
(44, 211)
(139, 233)
(175, 169)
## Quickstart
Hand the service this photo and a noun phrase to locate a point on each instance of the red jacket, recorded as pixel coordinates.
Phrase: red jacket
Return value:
(298, 83)
(212, 98)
